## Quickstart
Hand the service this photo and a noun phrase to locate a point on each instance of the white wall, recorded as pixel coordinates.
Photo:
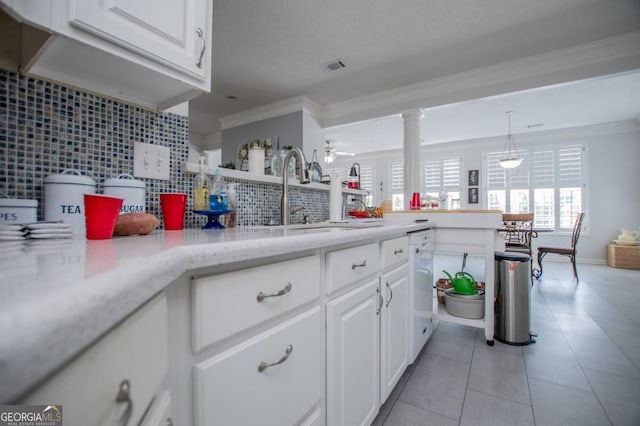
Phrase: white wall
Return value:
(313, 137)
(612, 199)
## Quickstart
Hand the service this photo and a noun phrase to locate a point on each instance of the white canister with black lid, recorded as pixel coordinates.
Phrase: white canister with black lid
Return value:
(64, 198)
(131, 190)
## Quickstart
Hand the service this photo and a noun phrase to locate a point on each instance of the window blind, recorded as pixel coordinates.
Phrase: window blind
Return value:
(440, 175)
(397, 178)
(367, 177)
(496, 175)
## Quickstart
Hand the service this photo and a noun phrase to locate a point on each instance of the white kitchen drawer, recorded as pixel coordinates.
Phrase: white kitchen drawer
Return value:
(351, 265)
(135, 350)
(159, 413)
(225, 304)
(230, 390)
(394, 251)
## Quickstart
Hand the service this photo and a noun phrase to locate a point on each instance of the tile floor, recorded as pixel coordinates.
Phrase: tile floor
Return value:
(583, 370)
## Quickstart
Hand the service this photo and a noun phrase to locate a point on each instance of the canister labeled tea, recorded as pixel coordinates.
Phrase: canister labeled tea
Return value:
(64, 198)
(131, 190)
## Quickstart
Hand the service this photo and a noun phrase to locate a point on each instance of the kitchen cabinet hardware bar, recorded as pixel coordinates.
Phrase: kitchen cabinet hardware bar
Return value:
(264, 365)
(286, 289)
(200, 34)
(124, 395)
(359, 265)
(390, 295)
(398, 251)
(380, 301)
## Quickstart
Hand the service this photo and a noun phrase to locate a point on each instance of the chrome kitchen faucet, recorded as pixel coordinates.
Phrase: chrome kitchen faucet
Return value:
(285, 214)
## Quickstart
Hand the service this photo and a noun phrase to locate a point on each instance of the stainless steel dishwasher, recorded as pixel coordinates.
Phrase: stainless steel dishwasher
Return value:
(421, 288)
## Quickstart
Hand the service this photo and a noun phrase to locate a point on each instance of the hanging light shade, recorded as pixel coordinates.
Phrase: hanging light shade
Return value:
(329, 156)
(510, 158)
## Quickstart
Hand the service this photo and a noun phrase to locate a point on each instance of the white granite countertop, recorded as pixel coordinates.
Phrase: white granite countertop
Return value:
(58, 296)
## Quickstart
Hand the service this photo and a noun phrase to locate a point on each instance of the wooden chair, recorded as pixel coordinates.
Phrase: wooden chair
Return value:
(518, 236)
(571, 252)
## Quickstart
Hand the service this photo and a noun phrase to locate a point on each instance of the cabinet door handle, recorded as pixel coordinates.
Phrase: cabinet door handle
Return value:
(398, 251)
(390, 295)
(359, 265)
(264, 365)
(286, 289)
(380, 301)
(200, 34)
(124, 395)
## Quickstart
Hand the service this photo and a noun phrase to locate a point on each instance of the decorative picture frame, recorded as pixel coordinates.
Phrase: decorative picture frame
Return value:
(474, 177)
(474, 195)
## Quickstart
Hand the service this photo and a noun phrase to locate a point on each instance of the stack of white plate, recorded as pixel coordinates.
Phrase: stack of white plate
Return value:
(48, 230)
(13, 232)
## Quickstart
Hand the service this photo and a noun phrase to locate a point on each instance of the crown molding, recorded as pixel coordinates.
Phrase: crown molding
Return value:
(275, 109)
(616, 54)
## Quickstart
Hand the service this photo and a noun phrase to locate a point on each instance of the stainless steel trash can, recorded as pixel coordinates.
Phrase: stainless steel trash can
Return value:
(513, 302)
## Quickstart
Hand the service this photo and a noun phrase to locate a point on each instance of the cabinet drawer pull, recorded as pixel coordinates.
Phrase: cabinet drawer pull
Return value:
(286, 289)
(390, 295)
(264, 365)
(200, 34)
(380, 301)
(124, 395)
(359, 265)
(398, 251)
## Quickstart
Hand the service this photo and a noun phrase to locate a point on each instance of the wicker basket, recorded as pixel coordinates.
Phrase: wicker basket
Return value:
(441, 285)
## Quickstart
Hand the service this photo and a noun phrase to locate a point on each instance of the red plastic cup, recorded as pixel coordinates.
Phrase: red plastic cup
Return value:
(173, 208)
(415, 201)
(100, 215)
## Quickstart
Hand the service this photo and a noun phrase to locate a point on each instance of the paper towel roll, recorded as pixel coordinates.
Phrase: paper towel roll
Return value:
(256, 161)
(335, 200)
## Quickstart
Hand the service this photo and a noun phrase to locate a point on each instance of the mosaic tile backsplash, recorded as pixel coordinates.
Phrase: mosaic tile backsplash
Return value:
(46, 128)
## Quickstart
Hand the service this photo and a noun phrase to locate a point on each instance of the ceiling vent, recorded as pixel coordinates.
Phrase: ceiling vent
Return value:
(333, 65)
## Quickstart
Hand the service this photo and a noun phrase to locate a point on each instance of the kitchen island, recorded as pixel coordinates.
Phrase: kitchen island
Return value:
(60, 296)
(458, 232)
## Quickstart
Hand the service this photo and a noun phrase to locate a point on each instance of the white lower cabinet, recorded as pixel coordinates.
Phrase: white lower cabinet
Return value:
(274, 378)
(136, 352)
(394, 328)
(353, 330)
(368, 339)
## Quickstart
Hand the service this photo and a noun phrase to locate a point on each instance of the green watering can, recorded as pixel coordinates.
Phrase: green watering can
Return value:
(463, 283)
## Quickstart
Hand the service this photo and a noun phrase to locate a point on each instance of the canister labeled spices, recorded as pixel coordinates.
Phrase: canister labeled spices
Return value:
(18, 211)
(131, 190)
(64, 198)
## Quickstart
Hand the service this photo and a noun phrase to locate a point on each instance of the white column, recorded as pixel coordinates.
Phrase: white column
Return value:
(412, 171)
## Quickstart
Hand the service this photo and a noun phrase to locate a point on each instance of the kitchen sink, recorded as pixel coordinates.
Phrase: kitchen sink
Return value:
(351, 224)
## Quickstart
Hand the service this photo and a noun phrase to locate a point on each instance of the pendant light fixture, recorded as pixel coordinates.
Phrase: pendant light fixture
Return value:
(510, 158)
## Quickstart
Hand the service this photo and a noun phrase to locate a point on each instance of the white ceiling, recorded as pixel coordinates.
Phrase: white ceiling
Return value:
(266, 51)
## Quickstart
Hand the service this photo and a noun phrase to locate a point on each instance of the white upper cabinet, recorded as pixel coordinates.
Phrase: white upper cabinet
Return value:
(151, 53)
(170, 32)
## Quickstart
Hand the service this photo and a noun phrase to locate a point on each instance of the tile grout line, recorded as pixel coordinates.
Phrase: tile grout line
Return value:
(564, 335)
(466, 387)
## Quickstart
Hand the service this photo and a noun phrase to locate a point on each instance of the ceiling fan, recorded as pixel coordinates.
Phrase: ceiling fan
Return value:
(330, 154)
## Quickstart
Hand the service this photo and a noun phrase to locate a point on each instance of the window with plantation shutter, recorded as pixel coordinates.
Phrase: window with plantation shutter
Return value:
(397, 185)
(367, 177)
(443, 175)
(549, 182)
(340, 172)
